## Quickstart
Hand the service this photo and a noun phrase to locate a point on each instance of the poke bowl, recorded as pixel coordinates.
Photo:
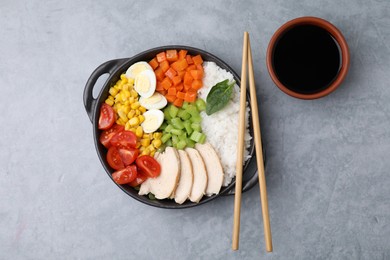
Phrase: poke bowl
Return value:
(117, 67)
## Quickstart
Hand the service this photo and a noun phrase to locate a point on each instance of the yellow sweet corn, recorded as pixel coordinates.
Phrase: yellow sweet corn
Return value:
(141, 119)
(134, 121)
(145, 142)
(139, 131)
(156, 143)
(157, 135)
(109, 102)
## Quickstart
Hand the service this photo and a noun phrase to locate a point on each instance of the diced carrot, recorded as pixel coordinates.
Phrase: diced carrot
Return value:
(182, 54)
(200, 67)
(180, 94)
(170, 98)
(189, 60)
(191, 67)
(161, 57)
(159, 74)
(197, 74)
(180, 87)
(159, 87)
(197, 59)
(164, 65)
(166, 83)
(187, 86)
(179, 65)
(172, 55)
(170, 73)
(192, 90)
(176, 80)
(197, 84)
(178, 102)
(153, 63)
(162, 92)
(190, 97)
(181, 74)
(172, 91)
(187, 78)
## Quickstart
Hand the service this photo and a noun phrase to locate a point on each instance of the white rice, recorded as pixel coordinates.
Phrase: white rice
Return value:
(221, 128)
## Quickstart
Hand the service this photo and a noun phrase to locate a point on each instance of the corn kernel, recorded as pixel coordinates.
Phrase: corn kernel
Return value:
(138, 145)
(131, 114)
(127, 126)
(145, 142)
(152, 153)
(151, 148)
(134, 121)
(141, 118)
(145, 152)
(142, 148)
(130, 81)
(131, 100)
(142, 109)
(157, 135)
(109, 102)
(126, 94)
(132, 130)
(126, 87)
(146, 136)
(139, 131)
(135, 105)
(120, 122)
(134, 93)
(122, 115)
(113, 91)
(156, 143)
(137, 112)
(111, 97)
(124, 78)
(116, 86)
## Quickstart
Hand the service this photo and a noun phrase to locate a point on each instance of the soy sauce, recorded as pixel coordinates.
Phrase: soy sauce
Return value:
(306, 59)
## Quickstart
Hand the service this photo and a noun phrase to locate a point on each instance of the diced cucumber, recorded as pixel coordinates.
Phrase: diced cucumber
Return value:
(177, 123)
(168, 128)
(196, 127)
(173, 111)
(165, 137)
(177, 131)
(200, 104)
(196, 119)
(181, 144)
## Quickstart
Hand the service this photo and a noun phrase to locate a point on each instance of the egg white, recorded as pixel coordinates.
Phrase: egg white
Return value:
(153, 120)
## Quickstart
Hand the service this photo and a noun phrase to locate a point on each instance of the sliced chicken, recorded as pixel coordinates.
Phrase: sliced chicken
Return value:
(165, 184)
(200, 176)
(184, 187)
(213, 167)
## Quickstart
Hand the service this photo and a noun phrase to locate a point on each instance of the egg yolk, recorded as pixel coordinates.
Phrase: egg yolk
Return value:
(142, 83)
(150, 122)
(153, 99)
(137, 69)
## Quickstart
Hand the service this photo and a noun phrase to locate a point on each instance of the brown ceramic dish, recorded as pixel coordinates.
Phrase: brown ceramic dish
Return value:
(338, 37)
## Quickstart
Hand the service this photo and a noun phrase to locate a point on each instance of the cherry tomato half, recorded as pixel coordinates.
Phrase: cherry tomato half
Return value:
(128, 155)
(125, 139)
(107, 135)
(125, 175)
(114, 159)
(148, 165)
(107, 117)
(141, 177)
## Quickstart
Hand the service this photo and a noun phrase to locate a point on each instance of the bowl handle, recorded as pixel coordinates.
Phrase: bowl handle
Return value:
(89, 100)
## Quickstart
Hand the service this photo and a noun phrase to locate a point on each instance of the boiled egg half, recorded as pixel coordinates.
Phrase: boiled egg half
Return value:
(156, 101)
(153, 120)
(144, 78)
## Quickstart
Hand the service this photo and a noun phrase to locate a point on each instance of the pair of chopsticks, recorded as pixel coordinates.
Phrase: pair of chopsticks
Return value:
(247, 60)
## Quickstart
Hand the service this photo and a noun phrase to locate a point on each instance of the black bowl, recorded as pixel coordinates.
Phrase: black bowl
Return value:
(117, 67)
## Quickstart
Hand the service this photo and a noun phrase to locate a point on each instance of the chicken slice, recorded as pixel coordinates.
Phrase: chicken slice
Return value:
(213, 167)
(165, 184)
(184, 187)
(200, 176)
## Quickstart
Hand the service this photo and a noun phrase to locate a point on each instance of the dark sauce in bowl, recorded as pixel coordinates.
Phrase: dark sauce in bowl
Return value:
(306, 59)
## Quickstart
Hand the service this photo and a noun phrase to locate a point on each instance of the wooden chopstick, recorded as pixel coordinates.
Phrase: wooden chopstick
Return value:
(240, 145)
(259, 153)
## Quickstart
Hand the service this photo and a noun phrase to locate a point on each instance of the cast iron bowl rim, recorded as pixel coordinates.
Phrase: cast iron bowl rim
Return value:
(96, 132)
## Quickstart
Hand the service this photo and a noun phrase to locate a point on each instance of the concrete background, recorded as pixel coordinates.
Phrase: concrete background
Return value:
(328, 160)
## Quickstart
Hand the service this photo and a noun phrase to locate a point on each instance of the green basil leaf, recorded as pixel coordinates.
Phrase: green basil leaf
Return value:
(219, 96)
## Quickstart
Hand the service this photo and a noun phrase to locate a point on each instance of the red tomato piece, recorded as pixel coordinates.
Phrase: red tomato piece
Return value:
(114, 159)
(141, 177)
(107, 135)
(128, 155)
(107, 117)
(148, 165)
(125, 175)
(126, 139)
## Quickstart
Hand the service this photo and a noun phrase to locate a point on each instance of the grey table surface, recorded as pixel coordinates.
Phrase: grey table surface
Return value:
(328, 160)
